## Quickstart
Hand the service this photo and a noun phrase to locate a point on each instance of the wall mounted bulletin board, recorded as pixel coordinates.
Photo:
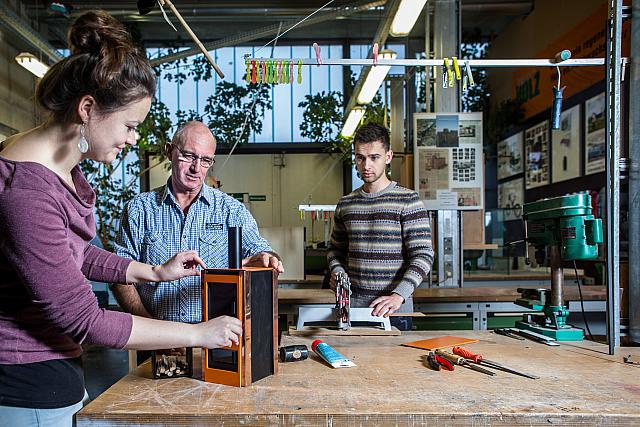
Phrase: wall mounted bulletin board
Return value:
(566, 146)
(510, 159)
(448, 160)
(594, 135)
(536, 146)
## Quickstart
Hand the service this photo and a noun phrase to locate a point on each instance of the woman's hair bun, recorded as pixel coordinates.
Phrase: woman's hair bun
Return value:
(98, 33)
(104, 63)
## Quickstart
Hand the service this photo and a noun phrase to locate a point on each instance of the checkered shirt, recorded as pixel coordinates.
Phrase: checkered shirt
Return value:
(153, 228)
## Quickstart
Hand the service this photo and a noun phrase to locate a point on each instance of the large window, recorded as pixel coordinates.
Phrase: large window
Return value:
(281, 124)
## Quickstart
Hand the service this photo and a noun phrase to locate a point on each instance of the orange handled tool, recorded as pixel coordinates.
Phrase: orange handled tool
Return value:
(462, 362)
(477, 358)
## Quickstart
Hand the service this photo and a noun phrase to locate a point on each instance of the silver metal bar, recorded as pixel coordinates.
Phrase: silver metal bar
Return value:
(612, 168)
(478, 63)
(557, 276)
(634, 179)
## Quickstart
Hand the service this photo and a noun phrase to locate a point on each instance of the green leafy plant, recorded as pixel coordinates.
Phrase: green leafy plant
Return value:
(322, 116)
(231, 105)
(112, 194)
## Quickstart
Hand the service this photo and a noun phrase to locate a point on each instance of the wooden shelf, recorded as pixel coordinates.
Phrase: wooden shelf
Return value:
(479, 246)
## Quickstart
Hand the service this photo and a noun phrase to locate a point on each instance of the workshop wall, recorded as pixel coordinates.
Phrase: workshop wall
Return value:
(525, 38)
(17, 86)
(285, 181)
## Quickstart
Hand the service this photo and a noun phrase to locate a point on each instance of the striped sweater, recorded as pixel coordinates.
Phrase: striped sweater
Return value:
(383, 241)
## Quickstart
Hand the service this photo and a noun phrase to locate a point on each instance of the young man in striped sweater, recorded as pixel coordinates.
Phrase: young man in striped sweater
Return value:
(381, 235)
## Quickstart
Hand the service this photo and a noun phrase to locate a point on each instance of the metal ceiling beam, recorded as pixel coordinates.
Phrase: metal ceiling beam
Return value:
(22, 28)
(380, 37)
(272, 30)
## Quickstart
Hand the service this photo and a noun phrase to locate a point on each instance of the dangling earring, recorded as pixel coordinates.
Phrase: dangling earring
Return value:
(83, 144)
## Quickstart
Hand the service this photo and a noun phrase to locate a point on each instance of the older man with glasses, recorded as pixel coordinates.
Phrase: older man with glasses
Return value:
(184, 214)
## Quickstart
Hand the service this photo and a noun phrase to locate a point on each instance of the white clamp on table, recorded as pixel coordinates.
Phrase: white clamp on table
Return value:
(343, 314)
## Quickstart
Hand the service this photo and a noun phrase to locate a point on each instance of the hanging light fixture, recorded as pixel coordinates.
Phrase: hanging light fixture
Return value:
(31, 63)
(406, 17)
(375, 78)
(352, 122)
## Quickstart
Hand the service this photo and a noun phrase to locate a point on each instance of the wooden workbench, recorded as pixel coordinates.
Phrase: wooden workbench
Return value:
(434, 295)
(580, 385)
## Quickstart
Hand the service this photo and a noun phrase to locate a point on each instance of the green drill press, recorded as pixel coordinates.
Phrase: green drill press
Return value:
(560, 229)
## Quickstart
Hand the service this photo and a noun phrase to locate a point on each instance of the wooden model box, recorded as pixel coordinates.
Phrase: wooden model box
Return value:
(249, 294)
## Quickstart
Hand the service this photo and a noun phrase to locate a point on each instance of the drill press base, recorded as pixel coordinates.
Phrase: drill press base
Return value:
(563, 334)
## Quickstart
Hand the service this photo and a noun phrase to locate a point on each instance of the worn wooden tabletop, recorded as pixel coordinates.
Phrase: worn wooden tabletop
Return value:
(481, 294)
(580, 384)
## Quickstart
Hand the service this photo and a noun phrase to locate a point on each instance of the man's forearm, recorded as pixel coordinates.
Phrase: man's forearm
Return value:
(129, 299)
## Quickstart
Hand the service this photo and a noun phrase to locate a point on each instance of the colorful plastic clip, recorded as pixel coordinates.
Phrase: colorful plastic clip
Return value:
(316, 47)
(469, 75)
(375, 54)
(254, 71)
(456, 68)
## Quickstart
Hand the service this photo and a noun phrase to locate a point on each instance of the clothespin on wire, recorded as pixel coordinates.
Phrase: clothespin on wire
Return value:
(556, 108)
(456, 68)
(299, 71)
(449, 74)
(445, 67)
(316, 47)
(375, 54)
(254, 70)
(468, 75)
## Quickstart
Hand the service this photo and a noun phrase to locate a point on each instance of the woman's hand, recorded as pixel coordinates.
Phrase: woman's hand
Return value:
(182, 264)
(219, 332)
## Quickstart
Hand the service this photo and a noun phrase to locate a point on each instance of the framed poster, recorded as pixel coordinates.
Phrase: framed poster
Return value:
(536, 146)
(448, 160)
(510, 156)
(511, 198)
(565, 146)
(595, 135)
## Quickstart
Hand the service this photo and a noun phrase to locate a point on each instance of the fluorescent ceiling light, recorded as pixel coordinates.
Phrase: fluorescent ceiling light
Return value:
(31, 63)
(375, 78)
(352, 122)
(406, 17)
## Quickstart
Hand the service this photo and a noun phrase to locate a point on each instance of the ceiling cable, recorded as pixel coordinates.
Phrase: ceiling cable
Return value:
(255, 94)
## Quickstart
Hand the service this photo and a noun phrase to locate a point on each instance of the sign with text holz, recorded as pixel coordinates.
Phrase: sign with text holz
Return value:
(448, 160)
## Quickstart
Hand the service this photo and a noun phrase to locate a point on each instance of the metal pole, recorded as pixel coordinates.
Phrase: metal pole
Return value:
(557, 276)
(476, 63)
(634, 179)
(612, 159)
(446, 44)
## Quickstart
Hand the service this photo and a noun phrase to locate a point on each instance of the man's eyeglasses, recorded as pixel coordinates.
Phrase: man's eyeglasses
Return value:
(189, 157)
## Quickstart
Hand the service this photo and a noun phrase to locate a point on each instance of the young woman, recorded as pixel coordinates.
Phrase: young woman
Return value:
(95, 98)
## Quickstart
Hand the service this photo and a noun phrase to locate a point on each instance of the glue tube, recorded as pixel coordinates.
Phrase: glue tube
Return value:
(331, 356)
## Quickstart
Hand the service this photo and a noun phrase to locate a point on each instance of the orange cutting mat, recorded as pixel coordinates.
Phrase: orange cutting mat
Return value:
(440, 342)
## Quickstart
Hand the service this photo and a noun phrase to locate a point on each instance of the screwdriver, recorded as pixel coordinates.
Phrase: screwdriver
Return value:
(477, 358)
(462, 362)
